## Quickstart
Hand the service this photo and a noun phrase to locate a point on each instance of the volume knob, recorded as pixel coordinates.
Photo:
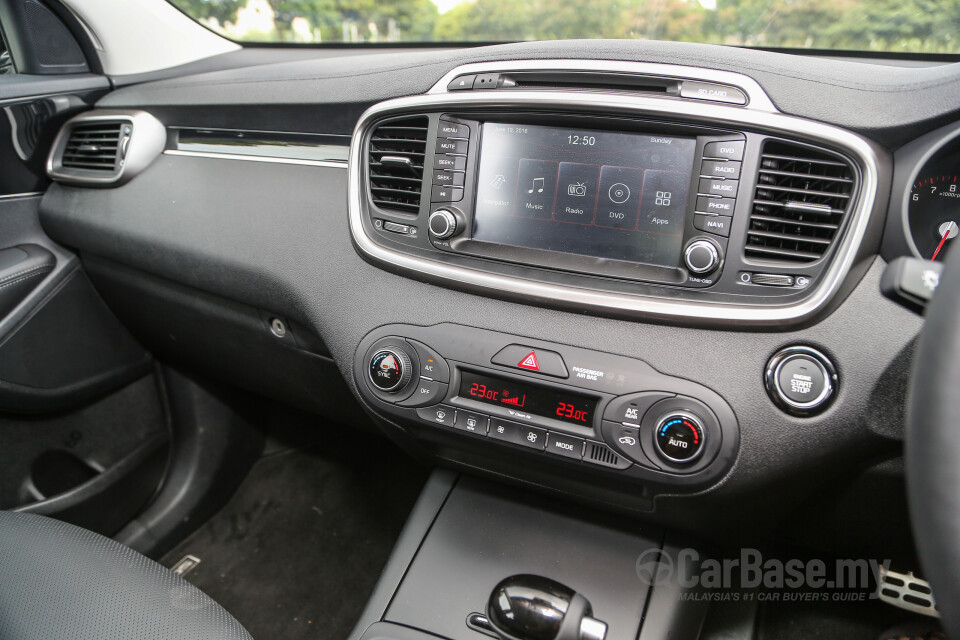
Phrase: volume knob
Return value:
(443, 224)
(390, 369)
(701, 256)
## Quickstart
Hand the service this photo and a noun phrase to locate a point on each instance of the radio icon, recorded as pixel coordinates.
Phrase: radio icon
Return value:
(578, 189)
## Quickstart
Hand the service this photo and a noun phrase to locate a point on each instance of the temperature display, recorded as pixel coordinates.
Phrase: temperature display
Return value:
(528, 398)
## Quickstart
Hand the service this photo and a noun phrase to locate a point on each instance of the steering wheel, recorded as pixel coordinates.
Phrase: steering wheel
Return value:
(933, 446)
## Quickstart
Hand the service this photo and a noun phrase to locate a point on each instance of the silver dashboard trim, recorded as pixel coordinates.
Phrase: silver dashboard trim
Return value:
(864, 153)
(331, 164)
(756, 96)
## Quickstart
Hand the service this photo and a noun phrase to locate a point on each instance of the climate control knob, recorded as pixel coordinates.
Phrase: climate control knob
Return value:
(701, 256)
(443, 224)
(390, 369)
(679, 437)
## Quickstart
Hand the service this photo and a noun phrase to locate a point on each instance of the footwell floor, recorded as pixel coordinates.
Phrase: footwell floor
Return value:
(298, 549)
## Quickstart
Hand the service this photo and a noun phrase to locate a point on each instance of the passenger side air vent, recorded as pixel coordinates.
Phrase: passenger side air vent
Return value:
(105, 147)
(803, 196)
(396, 156)
(96, 146)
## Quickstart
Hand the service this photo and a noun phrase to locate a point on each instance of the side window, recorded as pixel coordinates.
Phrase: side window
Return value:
(6, 62)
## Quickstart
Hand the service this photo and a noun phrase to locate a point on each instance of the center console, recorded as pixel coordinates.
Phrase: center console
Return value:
(532, 409)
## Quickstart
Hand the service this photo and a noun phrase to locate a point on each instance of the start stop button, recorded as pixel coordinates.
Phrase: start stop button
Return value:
(801, 380)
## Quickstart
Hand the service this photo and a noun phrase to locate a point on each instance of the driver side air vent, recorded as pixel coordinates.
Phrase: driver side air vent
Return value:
(396, 156)
(803, 196)
(96, 146)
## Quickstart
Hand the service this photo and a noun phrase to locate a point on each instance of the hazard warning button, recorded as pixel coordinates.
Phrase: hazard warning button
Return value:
(527, 358)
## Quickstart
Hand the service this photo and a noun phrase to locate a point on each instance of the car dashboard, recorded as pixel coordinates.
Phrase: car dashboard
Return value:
(640, 275)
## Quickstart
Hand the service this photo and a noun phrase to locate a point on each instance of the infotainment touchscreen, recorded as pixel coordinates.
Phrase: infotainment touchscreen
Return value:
(619, 196)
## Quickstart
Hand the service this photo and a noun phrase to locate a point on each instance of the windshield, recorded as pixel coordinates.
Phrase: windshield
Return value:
(928, 26)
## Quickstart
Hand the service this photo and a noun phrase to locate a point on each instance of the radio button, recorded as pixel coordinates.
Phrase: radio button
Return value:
(455, 130)
(720, 169)
(441, 415)
(426, 393)
(518, 356)
(446, 194)
(630, 408)
(722, 206)
(521, 434)
(448, 178)
(449, 163)
(564, 445)
(449, 145)
(471, 422)
(713, 187)
(432, 366)
(731, 150)
(719, 225)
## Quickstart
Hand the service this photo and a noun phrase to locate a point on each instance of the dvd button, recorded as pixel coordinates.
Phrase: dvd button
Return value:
(731, 150)
(719, 225)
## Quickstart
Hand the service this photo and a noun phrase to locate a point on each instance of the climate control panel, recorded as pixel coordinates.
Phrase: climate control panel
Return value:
(467, 388)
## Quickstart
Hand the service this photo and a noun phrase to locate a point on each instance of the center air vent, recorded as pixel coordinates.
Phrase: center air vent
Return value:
(803, 196)
(396, 157)
(97, 146)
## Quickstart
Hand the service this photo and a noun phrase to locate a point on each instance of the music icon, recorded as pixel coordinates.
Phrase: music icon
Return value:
(537, 184)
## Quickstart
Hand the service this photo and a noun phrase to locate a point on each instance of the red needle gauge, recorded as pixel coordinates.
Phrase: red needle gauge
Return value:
(947, 230)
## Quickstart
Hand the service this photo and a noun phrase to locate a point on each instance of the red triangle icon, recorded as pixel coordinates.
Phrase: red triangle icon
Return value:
(530, 362)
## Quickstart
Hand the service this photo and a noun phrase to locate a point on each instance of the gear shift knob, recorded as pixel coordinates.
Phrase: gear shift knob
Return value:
(528, 607)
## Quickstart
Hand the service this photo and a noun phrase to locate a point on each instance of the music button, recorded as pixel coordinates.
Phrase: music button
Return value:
(537, 185)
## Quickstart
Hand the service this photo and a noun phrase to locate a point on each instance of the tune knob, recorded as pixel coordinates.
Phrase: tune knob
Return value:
(701, 256)
(443, 224)
(390, 369)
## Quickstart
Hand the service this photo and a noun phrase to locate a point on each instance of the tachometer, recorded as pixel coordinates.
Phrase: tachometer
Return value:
(935, 214)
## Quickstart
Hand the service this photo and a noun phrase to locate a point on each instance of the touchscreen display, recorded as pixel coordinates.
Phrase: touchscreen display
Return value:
(620, 196)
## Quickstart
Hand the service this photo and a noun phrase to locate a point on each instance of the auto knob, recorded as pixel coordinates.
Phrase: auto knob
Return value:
(390, 369)
(701, 256)
(442, 223)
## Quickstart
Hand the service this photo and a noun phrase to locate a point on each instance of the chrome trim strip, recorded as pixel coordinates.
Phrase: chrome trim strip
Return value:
(863, 152)
(332, 164)
(757, 98)
(17, 196)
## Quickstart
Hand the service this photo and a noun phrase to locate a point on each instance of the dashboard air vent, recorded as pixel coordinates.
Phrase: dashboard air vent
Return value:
(396, 157)
(802, 198)
(96, 146)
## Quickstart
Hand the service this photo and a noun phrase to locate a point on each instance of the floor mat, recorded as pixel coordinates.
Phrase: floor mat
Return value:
(298, 549)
